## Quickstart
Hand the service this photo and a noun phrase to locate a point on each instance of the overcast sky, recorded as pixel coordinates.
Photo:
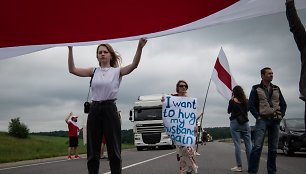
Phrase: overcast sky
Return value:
(39, 89)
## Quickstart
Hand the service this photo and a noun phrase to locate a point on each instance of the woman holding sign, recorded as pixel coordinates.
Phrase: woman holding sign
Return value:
(185, 154)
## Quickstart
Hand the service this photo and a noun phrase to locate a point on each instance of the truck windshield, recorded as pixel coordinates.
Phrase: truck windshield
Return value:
(148, 114)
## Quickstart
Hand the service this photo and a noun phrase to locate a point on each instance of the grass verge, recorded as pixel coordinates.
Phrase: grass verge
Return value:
(36, 147)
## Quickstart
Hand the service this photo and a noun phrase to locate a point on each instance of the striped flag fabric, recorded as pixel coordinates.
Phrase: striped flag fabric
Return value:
(29, 25)
(222, 77)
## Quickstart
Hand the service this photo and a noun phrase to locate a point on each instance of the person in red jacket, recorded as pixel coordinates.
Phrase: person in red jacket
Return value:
(73, 127)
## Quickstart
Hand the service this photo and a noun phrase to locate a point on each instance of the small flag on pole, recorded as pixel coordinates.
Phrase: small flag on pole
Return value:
(222, 76)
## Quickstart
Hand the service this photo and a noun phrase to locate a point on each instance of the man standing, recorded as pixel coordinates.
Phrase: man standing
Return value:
(298, 30)
(73, 135)
(268, 106)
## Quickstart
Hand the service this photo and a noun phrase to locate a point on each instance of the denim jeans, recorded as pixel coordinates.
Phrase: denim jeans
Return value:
(263, 125)
(238, 130)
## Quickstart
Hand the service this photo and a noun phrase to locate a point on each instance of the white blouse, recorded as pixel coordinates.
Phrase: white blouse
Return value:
(105, 83)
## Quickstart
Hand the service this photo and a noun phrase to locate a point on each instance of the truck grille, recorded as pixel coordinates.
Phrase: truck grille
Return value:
(150, 128)
(151, 133)
(151, 138)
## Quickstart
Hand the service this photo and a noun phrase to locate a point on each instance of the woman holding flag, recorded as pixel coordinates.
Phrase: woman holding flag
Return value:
(103, 118)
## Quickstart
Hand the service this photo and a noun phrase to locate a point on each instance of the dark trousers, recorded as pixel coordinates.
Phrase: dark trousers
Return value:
(103, 119)
(261, 126)
(305, 115)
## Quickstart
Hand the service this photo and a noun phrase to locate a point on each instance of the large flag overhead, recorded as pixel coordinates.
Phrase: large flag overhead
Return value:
(222, 76)
(31, 25)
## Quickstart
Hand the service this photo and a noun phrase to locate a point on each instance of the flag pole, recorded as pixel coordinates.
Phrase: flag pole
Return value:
(203, 113)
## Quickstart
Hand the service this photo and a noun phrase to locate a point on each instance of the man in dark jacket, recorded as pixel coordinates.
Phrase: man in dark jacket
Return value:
(268, 106)
(298, 30)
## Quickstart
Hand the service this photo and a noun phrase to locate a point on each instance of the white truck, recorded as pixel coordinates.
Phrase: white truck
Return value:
(148, 126)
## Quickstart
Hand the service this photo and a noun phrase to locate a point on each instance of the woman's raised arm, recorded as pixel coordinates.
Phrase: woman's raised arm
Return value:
(82, 72)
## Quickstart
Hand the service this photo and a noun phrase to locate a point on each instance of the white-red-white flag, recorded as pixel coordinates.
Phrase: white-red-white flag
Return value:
(222, 76)
(29, 25)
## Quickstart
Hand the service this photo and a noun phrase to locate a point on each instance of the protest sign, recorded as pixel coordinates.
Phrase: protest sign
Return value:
(179, 117)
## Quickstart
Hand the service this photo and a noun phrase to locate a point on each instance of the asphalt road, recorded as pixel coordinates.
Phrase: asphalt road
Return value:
(215, 158)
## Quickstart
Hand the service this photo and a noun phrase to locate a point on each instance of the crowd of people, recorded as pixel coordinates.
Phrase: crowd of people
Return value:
(266, 103)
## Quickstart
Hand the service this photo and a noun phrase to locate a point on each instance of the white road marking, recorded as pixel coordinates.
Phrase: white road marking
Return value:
(132, 165)
(29, 165)
(50, 162)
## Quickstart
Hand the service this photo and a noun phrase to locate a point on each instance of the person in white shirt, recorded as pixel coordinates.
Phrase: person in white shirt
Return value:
(103, 117)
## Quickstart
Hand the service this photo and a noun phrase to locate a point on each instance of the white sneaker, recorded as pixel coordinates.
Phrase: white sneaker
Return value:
(197, 154)
(236, 169)
(195, 168)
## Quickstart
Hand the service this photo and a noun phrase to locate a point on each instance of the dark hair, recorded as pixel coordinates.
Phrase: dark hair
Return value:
(240, 95)
(178, 84)
(263, 71)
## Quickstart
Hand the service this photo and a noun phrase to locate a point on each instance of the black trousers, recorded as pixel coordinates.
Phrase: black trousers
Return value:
(305, 116)
(103, 119)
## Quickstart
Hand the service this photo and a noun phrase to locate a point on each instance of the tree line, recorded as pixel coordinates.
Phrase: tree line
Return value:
(18, 129)
(127, 136)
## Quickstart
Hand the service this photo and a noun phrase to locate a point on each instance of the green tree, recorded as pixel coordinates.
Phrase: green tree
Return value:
(18, 129)
(219, 132)
(127, 136)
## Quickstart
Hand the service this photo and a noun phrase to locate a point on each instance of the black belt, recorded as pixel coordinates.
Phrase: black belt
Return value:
(105, 101)
(264, 118)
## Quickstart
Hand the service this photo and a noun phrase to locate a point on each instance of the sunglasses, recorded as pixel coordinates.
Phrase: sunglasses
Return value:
(181, 86)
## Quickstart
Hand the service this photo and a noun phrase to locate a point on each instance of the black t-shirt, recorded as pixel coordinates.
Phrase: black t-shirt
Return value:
(235, 109)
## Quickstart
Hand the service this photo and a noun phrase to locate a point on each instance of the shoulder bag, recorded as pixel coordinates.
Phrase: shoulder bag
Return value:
(87, 103)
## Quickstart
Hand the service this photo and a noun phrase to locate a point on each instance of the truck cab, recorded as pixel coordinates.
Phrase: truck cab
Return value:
(148, 126)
